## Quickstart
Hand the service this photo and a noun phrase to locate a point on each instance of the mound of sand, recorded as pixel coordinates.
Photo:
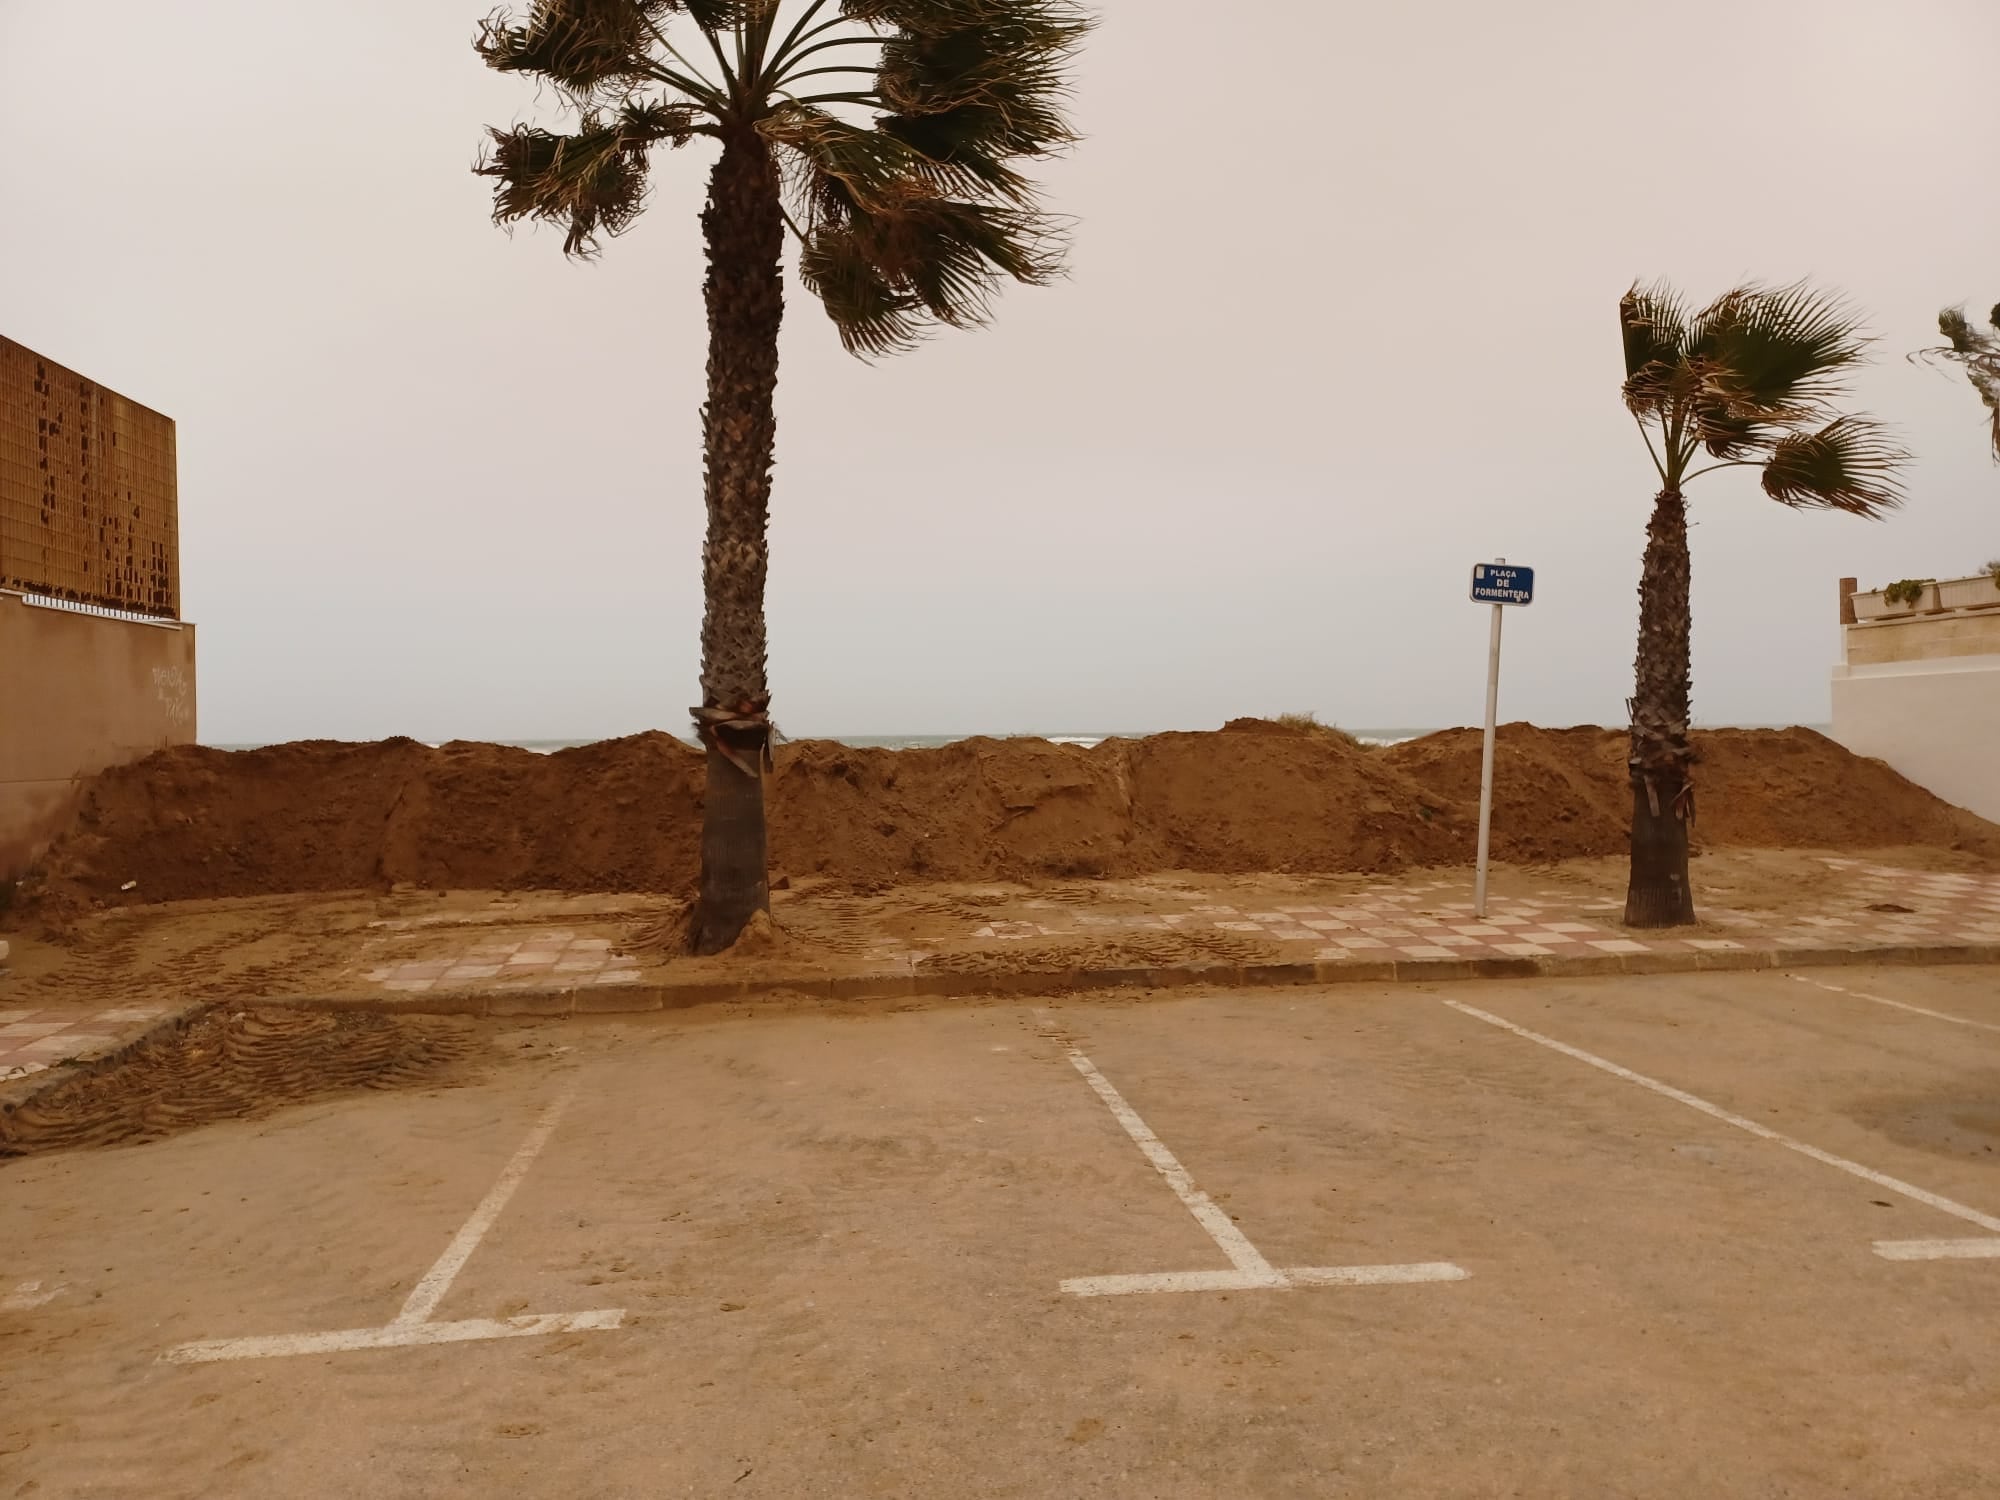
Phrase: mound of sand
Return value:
(1563, 793)
(625, 815)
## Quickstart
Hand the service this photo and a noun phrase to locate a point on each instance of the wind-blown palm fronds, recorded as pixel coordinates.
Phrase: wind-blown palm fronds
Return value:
(899, 126)
(1753, 380)
(1978, 352)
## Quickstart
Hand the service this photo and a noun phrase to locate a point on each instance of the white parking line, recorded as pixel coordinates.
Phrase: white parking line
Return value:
(1915, 1010)
(425, 1297)
(1253, 1272)
(412, 1325)
(1972, 1249)
(1764, 1132)
(1235, 1244)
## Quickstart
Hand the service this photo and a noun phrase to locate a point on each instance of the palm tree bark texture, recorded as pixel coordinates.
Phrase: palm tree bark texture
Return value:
(743, 228)
(1659, 894)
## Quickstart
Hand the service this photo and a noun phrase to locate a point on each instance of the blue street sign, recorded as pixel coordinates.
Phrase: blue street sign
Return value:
(1496, 583)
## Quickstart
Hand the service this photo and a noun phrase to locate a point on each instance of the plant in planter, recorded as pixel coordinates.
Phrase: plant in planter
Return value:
(1907, 592)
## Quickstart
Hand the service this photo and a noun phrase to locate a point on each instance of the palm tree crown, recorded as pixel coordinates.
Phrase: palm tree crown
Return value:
(895, 124)
(1751, 381)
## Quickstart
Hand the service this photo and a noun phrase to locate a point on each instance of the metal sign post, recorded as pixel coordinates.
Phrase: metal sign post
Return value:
(1499, 585)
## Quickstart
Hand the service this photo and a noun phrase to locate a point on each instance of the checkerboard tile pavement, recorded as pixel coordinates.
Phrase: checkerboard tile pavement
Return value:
(1889, 908)
(32, 1040)
(560, 958)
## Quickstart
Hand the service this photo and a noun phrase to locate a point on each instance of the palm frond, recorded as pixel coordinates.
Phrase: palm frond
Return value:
(1653, 321)
(1004, 73)
(593, 180)
(888, 272)
(843, 164)
(721, 15)
(896, 239)
(582, 45)
(1729, 434)
(931, 17)
(1978, 353)
(871, 316)
(1850, 464)
(1775, 354)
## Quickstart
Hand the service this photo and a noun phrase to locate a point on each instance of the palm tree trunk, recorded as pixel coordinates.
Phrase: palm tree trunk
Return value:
(743, 228)
(1661, 758)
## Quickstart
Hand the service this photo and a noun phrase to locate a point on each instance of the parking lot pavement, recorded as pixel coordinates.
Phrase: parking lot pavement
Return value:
(935, 1253)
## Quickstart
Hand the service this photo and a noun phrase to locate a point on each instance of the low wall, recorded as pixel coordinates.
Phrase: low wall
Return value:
(79, 692)
(1924, 638)
(1934, 719)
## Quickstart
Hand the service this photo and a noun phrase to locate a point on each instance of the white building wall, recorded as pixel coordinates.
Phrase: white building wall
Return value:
(1935, 721)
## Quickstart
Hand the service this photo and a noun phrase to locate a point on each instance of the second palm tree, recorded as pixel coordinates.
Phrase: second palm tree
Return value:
(1750, 381)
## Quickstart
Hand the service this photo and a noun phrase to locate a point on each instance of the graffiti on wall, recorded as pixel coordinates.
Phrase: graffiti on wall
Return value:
(176, 698)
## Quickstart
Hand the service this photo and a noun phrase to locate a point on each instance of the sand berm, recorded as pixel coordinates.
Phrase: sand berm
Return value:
(624, 815)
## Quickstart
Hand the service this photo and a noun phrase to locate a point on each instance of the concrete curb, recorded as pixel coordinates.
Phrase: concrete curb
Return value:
(16, 1092)
(642, 999)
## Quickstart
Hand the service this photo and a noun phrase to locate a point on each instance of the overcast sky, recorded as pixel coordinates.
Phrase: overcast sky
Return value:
(1341, 322)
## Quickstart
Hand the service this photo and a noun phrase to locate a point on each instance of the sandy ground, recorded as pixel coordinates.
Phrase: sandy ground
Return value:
(839, 1244)
(249, 947)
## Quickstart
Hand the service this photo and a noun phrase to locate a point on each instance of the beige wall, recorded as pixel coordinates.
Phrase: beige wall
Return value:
(1925, 638)
(1936, 721)
(79, 692)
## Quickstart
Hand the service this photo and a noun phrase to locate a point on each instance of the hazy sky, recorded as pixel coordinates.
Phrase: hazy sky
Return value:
(1341, 322)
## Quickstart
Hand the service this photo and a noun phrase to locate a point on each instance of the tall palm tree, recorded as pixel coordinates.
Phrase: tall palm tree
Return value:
(1979, 352)
(885, 136)
(1751, 380)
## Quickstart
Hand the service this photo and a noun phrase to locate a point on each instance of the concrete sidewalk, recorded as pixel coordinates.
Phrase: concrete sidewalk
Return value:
(34, 1040)
(1165, 932)
(541, 953)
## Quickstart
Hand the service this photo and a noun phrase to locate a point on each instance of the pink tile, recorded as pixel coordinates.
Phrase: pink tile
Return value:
(65, 1045)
